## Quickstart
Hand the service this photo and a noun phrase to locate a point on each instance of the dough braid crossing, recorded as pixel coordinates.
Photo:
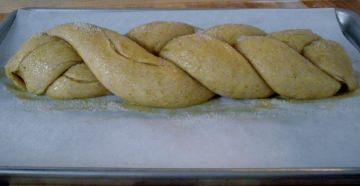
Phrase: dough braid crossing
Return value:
(172, 64)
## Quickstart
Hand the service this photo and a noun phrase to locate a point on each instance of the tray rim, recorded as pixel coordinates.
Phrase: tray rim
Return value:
(175, 172)
(8, 172)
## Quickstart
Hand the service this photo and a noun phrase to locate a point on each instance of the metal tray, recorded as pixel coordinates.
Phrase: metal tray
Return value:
(350, 25)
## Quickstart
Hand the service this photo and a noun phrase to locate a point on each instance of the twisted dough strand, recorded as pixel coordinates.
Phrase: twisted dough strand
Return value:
(233, 60)
(47, 65)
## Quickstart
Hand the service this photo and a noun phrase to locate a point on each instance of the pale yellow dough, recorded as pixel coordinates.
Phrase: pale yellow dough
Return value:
(167, 64)
(332, 59)
(216, 65)
(295, 38)
(158, 83)
(12, 66)
(230, 33)
(327, 55)
(153, 36)
(77, 82)
(41, 61)
(286, 71)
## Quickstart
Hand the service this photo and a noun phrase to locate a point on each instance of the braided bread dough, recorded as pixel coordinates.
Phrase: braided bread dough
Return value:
(167, 64)
(49, 65)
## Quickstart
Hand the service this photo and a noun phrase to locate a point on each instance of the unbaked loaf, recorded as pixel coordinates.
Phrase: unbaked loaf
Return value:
(172, 64)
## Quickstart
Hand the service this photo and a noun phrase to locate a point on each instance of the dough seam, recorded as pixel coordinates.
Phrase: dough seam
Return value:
(336, 78)
(341, 80)
(77, 80)
(62, 74)
(112, 45)
(256, 70)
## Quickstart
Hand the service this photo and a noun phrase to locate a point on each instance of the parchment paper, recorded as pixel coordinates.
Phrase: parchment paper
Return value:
(223, 133)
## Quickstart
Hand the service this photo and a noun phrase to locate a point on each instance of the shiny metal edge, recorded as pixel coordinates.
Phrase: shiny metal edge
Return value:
(349, 23)
(177, 172)
(130, 176)
(6, 24)
(150, 9)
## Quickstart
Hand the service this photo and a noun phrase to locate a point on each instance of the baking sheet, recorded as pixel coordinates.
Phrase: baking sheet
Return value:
(223, 133)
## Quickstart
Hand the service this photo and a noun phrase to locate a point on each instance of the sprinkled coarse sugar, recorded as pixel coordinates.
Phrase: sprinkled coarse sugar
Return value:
(199, 30)
(86, 27)
(321, 44)
(242, 38)
(37, 34)
(199, 36)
